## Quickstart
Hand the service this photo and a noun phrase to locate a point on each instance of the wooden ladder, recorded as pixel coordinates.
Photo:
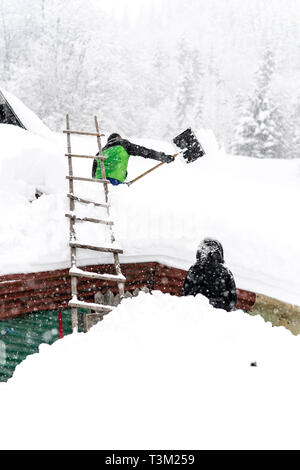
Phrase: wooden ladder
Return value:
(75, 272)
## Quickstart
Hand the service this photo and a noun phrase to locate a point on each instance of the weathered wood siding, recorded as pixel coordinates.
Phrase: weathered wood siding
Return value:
(50, 290)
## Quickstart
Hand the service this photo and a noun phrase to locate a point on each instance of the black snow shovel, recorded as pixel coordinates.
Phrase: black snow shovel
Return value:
(191, 150)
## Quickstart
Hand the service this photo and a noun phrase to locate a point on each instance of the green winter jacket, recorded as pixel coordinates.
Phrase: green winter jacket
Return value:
(118, 152)
(115, 164)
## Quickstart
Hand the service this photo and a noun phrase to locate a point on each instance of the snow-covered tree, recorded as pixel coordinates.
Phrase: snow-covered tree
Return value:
(129, 65)
(260, 130)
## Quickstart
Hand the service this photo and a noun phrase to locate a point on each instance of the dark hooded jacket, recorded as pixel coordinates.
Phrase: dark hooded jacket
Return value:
(209, 277)
(135, 150)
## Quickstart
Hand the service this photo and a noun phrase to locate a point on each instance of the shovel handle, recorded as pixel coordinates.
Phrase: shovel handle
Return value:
(149, 171)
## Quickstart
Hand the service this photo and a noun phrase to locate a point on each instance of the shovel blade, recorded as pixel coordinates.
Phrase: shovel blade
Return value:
(188, 142)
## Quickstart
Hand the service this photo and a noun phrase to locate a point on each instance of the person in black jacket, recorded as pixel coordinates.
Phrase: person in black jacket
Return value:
(209, 277)
(117, 152)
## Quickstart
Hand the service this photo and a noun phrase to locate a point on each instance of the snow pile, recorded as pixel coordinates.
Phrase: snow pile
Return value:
(249, 205)
(29, 162)
(160, 372)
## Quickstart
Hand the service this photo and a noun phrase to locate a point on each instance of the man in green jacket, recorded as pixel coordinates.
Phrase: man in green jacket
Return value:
(118, 151)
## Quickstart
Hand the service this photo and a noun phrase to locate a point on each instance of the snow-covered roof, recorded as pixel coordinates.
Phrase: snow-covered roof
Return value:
(249, 205)
(28, 118)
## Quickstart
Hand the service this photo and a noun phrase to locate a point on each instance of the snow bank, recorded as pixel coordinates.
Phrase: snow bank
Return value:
(30, 161)
(250, 205)
(160, 372)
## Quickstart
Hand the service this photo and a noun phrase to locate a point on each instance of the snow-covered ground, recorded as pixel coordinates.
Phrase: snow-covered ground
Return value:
(250, 205)
(160, 372)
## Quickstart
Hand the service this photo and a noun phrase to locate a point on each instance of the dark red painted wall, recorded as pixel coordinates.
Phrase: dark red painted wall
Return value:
(51, 290)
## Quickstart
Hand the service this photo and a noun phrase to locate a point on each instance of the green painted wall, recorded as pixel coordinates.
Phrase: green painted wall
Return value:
(22, 336)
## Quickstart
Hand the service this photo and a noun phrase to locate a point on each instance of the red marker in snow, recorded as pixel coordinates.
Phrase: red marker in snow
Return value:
(60, 325)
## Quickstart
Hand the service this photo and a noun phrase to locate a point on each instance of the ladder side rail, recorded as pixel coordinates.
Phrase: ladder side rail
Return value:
(121, 285)
(74, 289)
(112, 237)
(101, 160)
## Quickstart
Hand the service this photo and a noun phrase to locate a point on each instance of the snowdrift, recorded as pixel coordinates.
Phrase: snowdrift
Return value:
(250, 205)
(160, 372)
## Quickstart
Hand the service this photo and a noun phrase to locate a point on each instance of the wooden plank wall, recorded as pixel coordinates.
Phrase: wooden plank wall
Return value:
(51, 290)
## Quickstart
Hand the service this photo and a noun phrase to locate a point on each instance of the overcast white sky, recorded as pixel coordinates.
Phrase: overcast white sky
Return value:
(133, 7)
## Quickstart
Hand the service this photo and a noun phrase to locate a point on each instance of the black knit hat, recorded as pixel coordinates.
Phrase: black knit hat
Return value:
(211, 247)
(114, 136)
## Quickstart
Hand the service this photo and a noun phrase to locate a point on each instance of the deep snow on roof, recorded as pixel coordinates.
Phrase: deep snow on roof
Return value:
(28, 118)
(249, 205)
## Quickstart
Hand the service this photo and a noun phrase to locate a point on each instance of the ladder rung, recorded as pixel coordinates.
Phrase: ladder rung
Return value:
(105, 277)
(89, 219)
(96, 248)
(97, 307)
(97, 157)
(93, 180)
(67, 131)
(86, 201)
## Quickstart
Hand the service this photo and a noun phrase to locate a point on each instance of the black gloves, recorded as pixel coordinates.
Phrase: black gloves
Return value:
(166, 158)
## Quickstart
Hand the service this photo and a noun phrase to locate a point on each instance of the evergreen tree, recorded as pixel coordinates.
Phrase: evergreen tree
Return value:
(260, 130)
